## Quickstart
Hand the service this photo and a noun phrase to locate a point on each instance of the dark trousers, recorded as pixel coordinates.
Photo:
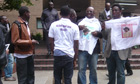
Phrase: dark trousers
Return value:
(47, 40)
(25, 70)
(128, 67)
(65, 64)
(0, 76)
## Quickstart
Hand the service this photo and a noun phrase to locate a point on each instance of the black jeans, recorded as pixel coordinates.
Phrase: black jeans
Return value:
(0, 76)
(63, 63)
(25, 70)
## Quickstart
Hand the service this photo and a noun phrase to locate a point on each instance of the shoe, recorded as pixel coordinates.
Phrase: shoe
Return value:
(10, 79)
(128, 74)
(49, 53)
(107, 75)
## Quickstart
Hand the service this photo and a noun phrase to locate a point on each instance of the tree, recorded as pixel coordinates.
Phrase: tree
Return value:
(13, 4)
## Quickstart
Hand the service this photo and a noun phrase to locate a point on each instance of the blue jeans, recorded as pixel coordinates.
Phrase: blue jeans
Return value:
(0, 76)
(83, 59)
(103, 46)
(9, 68)
(115, 64)
(63, 64)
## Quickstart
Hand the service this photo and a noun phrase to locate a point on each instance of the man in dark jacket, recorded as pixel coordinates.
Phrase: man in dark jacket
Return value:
(2, 40)
(48, 16)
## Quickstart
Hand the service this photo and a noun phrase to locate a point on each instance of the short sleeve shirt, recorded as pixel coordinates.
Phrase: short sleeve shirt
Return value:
(64, 33)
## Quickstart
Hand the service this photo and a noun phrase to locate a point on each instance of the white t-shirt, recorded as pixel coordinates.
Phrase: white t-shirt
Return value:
(87, 41)
(125, 32)
(64, 33)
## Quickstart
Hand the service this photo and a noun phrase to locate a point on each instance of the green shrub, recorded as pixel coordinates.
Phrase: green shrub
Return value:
(37, 36)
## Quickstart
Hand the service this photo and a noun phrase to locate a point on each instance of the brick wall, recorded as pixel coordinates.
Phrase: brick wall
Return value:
(35, 12)
(99, 6)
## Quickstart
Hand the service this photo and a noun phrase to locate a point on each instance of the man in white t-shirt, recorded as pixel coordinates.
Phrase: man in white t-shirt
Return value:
(64, 36)
(89, 46)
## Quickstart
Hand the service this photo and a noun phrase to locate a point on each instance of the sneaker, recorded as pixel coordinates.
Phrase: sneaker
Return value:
(128, 74)
(10, 79)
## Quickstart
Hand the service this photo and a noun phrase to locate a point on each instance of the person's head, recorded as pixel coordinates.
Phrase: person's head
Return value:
(126, 29)
(51, 5)
(116, 11)
(73, 15)
(107, 6)
(65, 11)
(24, 13)
(90, 12)
(3, 19)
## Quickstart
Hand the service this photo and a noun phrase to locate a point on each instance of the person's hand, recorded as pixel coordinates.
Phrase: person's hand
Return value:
(81, 27)
(7, 51)
(35, 41)
(94, 33)
(74, 63)
(103, 25)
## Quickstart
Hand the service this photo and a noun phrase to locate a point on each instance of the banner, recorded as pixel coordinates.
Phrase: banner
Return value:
(125, 32)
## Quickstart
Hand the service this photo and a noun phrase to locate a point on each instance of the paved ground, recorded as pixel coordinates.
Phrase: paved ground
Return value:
(45, 77)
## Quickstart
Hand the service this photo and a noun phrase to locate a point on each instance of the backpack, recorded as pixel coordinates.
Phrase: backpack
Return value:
(8, 37)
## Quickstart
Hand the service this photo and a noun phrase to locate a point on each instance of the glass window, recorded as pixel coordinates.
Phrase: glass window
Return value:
(126, 1)
(39, 25)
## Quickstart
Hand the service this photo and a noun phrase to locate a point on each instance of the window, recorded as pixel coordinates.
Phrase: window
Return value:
(126, 1)
(39, 24)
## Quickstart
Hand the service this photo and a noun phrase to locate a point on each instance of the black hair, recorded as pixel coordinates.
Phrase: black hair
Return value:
(117, 6)
(22, 10)
(64, 11)
(126, 28)
(1, 17)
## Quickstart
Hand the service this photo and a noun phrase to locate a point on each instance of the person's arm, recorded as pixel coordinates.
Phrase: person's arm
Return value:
(43, 17)
(76, 45)
(81, 27)
(56, 17)
(52, 44)
(97, 34)
(16, 39)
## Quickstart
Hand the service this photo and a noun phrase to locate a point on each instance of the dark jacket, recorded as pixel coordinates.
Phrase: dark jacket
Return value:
(97, 47)
(2, 38)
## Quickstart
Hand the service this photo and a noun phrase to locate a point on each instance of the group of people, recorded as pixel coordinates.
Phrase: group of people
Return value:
(68, 40)
(67, 46)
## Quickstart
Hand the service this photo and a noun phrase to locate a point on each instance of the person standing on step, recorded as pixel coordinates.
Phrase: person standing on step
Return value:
(23, 53)
(48, 16)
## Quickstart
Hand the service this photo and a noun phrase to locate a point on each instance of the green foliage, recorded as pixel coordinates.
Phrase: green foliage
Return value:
(37, 36)
(13, 4)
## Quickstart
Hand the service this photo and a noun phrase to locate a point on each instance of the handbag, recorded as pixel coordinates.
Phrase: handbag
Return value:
(3, 58)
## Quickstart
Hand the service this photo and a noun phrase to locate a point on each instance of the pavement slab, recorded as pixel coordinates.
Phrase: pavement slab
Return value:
(46, 77)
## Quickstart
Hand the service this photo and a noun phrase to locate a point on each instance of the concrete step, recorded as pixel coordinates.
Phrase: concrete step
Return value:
(43, 62)
(99, 67)
(100, 61)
